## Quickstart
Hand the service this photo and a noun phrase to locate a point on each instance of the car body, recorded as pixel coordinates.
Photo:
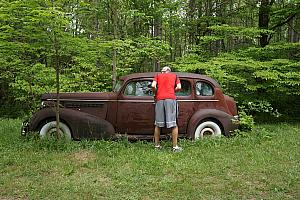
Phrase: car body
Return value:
(129, 110)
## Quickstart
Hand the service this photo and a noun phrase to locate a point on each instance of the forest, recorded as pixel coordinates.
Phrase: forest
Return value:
(251, 47)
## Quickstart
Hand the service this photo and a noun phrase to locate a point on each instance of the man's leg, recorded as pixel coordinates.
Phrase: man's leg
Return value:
(159, 120)
(176, 148)
(157, 135)
(174, 136)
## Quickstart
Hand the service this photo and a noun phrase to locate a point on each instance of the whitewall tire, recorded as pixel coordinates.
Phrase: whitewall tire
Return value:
(49, 130)
(207, 128)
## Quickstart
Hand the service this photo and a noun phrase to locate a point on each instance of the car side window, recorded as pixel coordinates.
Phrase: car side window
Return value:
(139, 88)
(204, 89)
(185, 88)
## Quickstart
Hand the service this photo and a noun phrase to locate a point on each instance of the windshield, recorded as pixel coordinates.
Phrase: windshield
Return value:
(118, 86)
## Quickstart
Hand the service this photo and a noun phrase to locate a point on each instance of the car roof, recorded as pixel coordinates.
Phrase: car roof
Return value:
(179, 74)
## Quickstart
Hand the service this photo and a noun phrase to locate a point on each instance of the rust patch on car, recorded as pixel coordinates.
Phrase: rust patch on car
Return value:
(130, 109)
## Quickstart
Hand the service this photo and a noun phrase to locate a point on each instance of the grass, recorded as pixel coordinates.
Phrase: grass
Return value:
(261, 165)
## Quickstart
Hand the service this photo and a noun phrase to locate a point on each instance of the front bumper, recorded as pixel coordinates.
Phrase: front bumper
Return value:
(25, 128)
(232, 125)
(235, 120)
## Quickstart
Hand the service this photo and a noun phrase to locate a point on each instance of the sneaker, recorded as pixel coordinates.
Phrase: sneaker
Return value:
(177, 149)
(158, 147)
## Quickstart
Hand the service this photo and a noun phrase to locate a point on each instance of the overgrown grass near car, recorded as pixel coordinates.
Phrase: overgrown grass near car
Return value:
(263, 164)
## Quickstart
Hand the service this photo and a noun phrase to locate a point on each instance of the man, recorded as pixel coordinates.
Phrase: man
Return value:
(164, 86)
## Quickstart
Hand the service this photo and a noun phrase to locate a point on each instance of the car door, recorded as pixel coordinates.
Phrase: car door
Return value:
(136, 108)
(205, 95)
(185, 104)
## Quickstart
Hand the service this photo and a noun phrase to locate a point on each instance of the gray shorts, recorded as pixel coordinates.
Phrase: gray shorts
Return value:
(166, 113)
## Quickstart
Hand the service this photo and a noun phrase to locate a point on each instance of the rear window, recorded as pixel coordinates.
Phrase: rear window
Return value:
(204, 89)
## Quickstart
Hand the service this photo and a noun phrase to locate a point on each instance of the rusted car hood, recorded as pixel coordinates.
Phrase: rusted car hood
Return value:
(80, 96)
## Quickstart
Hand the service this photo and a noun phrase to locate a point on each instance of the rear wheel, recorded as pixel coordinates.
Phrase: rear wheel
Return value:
(49, 130)
(207, 129)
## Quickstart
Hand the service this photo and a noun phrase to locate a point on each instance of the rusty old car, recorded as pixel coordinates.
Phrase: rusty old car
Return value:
(129, 110)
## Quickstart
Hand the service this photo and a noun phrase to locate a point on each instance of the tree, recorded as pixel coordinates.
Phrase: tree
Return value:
(282, 16)
(264, 18)
(92, 42)
(54, 23)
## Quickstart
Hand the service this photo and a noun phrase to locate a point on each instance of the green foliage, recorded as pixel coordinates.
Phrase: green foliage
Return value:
(262, 106)
(246, 121)
(36, 38)
(227, 32)
(258, 85)
(246, 124)
(262, 164)
(278, 51)
(218, 38)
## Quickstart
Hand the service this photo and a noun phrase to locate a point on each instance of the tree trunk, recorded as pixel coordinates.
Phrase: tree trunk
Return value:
(114, 67)
(191, 15)
(263, 20)
(97, 20)
(57, 70)
(115, 36)
(293, 36)
(156, 34)
(171, 39)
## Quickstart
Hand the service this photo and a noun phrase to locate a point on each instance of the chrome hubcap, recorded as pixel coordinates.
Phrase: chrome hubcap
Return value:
(207, 132)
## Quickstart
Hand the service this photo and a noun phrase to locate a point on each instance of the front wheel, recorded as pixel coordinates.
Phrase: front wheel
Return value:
(207, 128)
(49, 130)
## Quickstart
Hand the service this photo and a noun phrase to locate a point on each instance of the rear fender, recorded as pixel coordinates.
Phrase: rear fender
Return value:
(82, 125)
(223, 118)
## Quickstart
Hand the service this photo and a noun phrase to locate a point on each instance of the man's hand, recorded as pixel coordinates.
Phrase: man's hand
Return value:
(178, 87)
(154, 87)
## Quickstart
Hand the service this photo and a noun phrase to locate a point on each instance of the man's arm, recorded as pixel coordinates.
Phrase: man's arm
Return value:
(178, 87)
(178, 84)
(154, 88)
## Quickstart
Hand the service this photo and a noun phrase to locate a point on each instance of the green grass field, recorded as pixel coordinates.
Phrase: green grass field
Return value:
(261, 165)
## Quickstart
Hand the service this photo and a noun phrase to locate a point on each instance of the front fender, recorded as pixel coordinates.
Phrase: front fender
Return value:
(82, 125)
(212, 114)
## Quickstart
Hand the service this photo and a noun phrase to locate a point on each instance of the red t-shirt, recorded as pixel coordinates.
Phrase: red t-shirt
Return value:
(166, 83)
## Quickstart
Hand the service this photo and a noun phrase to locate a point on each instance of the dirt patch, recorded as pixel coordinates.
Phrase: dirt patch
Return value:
(83, 156)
